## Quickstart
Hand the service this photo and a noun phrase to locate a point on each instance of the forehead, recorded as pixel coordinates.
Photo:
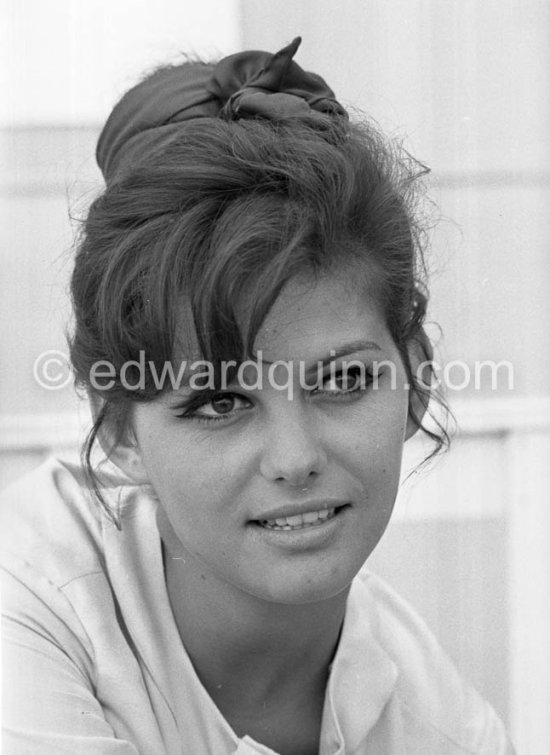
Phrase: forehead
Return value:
(312, 316)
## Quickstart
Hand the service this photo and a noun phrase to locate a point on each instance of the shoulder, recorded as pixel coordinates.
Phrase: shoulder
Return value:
(48, 522)
(59, 555)
(50, 538)
(431, 693)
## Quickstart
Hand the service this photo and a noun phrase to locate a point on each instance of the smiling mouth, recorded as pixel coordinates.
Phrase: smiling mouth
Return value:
(300, 521)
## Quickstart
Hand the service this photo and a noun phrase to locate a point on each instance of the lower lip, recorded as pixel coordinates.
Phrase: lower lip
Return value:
(303, 537)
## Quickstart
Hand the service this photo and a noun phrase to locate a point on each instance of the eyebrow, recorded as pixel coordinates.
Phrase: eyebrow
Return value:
(349, 348)
(352, 347)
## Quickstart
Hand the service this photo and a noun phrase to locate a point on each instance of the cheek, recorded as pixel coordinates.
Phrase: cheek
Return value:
(192, 478)
(375, 462)
(375, 436)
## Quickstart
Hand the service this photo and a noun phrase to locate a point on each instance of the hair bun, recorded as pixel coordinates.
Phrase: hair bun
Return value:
(246, 84)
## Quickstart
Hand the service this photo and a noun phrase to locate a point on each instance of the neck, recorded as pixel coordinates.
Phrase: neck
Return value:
(242, 645)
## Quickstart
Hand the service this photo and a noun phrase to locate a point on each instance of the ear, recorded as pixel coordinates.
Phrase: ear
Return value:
(119, 446)
(127, 456)
(421, 361)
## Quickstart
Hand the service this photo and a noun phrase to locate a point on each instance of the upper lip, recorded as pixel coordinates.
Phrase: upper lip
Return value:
(292, 509)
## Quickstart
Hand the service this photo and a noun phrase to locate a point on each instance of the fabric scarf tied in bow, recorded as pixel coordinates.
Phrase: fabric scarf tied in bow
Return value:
(244, 85)
(277, 89)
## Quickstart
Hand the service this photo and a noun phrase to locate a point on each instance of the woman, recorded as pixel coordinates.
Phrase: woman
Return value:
(249, 299)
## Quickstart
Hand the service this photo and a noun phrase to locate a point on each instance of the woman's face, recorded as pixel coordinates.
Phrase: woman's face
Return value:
(284, 492)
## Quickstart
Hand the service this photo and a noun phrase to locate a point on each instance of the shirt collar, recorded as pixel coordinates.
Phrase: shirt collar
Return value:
(361, 681)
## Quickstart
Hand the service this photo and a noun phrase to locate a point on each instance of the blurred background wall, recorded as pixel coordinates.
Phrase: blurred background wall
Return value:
(466, 85)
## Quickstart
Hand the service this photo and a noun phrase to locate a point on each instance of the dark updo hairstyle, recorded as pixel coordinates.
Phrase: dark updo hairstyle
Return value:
(222, 209)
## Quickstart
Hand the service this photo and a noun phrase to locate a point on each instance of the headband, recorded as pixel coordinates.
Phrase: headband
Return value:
(247, 84)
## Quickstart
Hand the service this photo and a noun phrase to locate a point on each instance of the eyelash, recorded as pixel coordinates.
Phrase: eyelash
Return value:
(353, 373)
(188, 410)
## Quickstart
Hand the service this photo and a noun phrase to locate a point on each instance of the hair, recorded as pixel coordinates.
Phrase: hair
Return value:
(226, 211)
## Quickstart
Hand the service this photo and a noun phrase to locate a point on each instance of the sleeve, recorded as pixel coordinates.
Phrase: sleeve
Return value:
(49, 703)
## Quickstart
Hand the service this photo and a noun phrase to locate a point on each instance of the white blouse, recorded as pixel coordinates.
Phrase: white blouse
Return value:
(93, 662)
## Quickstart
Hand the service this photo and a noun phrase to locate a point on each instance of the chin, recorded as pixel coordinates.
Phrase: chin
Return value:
(307, 589)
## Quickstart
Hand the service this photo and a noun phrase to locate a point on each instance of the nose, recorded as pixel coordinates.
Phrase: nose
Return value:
(293, 451)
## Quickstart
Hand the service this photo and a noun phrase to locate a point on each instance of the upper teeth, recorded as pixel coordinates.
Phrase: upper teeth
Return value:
(299, 520)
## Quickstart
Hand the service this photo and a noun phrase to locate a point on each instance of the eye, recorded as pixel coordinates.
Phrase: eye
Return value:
(218, 406)
(349, 380)
(345, 382)
(223, 403)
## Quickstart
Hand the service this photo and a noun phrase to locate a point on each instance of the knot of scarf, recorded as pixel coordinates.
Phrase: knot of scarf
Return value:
(272, 86)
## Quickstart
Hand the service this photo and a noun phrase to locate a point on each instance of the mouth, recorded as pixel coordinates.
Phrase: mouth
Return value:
(300, 521)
